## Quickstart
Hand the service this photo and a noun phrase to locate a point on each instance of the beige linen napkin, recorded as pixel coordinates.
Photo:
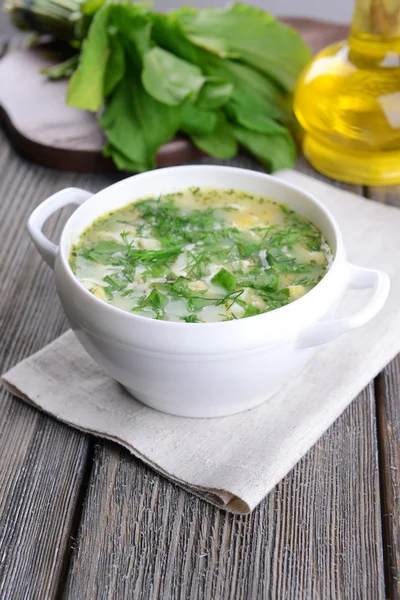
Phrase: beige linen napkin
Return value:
(235, 461)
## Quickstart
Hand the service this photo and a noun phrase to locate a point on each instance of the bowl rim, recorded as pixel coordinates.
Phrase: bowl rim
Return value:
(282, 311)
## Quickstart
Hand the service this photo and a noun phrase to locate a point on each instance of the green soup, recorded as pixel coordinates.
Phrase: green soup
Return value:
(201, 255)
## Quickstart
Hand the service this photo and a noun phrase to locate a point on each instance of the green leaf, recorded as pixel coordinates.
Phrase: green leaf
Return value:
(246, 246)
(156, 270)
(191, 319)
(197, 303)
(115, 66)
(121, 161)
(136, 125)
(253, 92)
(261, 281)
(197, 121)
(168, 78)
(86, 87)
(277, 299)
(114, 283)
(102, 252)
(177, 286)
(221, 143)
(277, 257)
(214, 93)
(122, 127)
(202, 29)
(167, 33)
(255, 121)
(133, 28)
(274, 151)
(251, 311)
(250, 34)
(156, 301)
(225, 280)
(62, 70)
(90, 7)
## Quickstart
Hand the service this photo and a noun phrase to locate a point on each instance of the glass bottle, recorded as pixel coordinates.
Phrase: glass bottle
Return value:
(348, 100)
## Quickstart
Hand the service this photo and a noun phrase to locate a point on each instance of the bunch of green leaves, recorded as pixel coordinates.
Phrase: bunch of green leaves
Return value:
(224, 77)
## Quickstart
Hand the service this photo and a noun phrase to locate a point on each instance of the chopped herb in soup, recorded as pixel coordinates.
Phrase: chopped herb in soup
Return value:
(201, 255)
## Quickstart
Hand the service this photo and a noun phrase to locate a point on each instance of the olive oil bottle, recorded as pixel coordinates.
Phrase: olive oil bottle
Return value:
(348, 100)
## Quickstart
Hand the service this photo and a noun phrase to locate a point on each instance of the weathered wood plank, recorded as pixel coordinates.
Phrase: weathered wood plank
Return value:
(316, 536)
(388, 407)
(42, 463)
(387, 388)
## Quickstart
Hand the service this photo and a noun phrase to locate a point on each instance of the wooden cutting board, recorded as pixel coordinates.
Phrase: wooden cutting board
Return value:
(47, 131)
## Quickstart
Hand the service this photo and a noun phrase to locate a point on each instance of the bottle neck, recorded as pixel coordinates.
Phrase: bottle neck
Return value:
(376, 23)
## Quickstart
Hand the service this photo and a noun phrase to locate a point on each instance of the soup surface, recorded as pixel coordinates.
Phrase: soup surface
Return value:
(201, 255)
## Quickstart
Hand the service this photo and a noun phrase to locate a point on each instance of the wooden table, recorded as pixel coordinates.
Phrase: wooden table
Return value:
(81, 519)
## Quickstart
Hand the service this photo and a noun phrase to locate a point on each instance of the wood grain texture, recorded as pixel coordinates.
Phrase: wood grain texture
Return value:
(316, 536)
(388, 407)
(42, 463)
(387, 387)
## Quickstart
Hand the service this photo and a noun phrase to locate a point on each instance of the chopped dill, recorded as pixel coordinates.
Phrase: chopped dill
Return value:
(200, 256)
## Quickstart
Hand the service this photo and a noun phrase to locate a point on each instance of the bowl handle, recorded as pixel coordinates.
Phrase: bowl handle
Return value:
(47, 249)
(359, 278)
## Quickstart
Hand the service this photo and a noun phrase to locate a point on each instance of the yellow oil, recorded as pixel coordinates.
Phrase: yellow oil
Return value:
(348, 103)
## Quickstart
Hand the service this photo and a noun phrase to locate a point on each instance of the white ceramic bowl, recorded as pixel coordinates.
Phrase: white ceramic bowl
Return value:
(210, 369)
